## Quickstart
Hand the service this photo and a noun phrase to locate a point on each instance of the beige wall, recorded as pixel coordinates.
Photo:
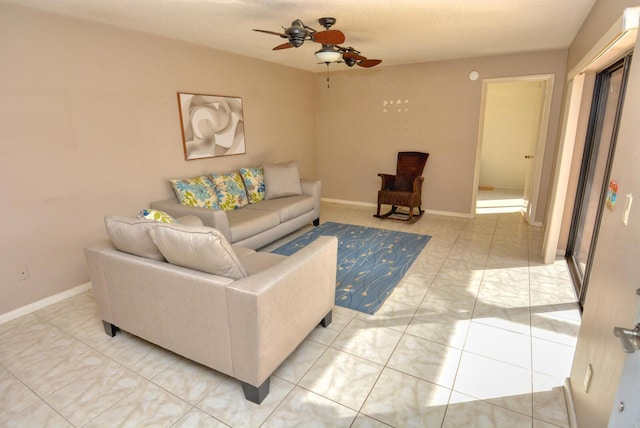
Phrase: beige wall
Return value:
(360, 131)
(611, 299)
(89, 125)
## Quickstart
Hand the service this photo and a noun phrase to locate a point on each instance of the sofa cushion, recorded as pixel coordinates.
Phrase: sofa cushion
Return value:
(287, 208)
(156, 215)
(281, 179)
(245, 223)
(253, 179)
(130, 235)
(196, 192)
(200, 248)
(189, 220)
(230, 190)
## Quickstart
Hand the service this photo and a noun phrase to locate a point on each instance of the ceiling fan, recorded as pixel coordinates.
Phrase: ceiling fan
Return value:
(331, 50)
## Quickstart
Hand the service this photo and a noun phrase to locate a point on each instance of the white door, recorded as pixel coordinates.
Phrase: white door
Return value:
(626, 407)
(513, 131)
(531, 155)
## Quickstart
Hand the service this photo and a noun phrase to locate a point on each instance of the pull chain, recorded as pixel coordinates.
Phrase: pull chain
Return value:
(328, 82)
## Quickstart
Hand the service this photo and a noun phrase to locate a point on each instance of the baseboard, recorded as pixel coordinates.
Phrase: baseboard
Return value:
(32, 307)
(344, 202)
(368, 204)
(571, 408)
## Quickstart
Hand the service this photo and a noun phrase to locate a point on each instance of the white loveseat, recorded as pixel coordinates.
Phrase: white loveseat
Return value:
(186, 289)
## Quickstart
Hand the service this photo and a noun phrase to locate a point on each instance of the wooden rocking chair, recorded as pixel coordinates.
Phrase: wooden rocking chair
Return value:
(403, 189)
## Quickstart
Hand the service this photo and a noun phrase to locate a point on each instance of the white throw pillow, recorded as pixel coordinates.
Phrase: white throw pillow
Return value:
(281, 179)
(130, 235)
(201, 248)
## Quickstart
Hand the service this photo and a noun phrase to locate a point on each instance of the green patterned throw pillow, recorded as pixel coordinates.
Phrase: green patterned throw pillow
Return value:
(159, 216)
(254, 182)
(230, 188)
(196, 192)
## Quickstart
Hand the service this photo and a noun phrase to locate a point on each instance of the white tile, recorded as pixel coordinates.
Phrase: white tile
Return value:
(60, 368)
(303, 408)
(300, 361)
(189, 380)
(504, 316)
(14, 396)
(146, 359)
(552, 358)
(364, 421)
(392, 314)
(37, 415)
(549, 404)
(226, 402)
(148, 405)
(326, 335)
(499, 344)
(368, 341)
(465, 411)
(500, 383)
(402, 400)
(446, 329)
(196, 418)
(93, 393)
(342, 377)
(427, 360)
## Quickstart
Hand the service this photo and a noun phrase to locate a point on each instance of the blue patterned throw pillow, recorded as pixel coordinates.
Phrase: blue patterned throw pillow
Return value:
(159, 216)
(253, 179)
(196, 192)
(230, 189)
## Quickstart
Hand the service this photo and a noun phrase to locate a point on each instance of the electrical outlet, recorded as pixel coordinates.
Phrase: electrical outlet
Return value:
(23, 272)
(587, 378)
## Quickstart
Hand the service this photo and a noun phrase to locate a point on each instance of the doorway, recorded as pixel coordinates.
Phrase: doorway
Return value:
(593, 182)
(514, 118)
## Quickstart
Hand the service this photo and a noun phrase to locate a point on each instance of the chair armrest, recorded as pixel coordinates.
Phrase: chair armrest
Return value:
(417, 184)
(210, 217)
(388, 181)
(271, 312)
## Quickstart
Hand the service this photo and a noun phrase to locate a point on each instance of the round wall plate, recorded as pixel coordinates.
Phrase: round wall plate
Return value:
(474, 75)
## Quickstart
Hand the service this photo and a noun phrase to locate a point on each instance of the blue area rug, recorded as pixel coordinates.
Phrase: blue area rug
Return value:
(371, 262)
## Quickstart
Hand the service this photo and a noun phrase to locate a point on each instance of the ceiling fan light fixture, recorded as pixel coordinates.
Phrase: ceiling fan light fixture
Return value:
(328, 54)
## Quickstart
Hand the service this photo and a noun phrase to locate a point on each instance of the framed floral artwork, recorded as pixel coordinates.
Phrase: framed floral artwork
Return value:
(212, 125)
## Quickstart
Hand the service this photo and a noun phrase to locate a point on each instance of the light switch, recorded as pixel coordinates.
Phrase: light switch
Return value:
(627, 208)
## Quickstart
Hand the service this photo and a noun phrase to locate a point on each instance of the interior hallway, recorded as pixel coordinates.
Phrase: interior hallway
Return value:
(478, 333)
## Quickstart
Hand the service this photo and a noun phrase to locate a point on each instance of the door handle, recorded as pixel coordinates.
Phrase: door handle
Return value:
(528, 156)
(630, 339)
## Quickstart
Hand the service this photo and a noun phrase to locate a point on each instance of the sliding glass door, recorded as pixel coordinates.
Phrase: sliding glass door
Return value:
(595, 170)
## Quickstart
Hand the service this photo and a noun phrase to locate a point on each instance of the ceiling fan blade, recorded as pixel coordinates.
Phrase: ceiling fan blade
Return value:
(369, 63)
(272, 32)
(354, 55)
(283, 46)
(329, 37)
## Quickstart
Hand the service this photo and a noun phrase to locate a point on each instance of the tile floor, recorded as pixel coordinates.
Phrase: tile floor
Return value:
(478, 334)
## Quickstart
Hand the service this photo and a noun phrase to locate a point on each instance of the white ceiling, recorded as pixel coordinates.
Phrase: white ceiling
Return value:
(396, 31)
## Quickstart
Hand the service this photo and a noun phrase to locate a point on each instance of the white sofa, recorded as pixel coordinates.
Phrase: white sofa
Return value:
(256, 225)
(155, 281)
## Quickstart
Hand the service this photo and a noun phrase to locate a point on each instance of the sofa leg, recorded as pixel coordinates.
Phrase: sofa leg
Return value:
(316, 222)
(109, 328)
(327, 319)
(256, 394)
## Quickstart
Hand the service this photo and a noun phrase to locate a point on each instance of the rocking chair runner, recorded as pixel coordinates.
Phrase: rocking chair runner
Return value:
(405, 188)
